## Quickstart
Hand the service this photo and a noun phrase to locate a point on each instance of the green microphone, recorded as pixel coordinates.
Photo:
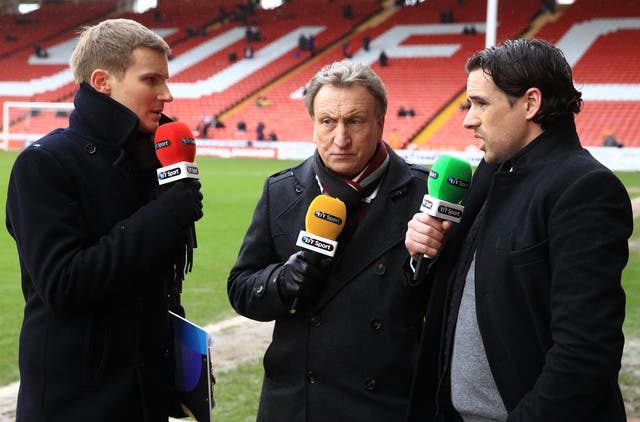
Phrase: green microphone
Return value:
(449, 181)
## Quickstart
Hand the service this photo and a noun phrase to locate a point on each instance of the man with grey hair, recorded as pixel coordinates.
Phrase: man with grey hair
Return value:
(101, 245)
(348, 352)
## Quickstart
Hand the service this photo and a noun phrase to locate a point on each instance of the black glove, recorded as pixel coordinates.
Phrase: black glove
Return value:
(303, 275)
(184, 201)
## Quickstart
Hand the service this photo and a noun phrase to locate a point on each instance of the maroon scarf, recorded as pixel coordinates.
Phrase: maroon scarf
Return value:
(355, 191)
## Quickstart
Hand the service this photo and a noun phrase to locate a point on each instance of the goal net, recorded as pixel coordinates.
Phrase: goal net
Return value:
(26, 122)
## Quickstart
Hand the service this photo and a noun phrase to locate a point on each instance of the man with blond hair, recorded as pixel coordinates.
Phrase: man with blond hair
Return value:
(101, 246)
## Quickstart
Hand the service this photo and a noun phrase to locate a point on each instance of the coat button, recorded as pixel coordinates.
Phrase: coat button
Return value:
(370, 384)
(260, 290)
(376, 324)
(380, 269)
(315, 322)
(312, 378)
(90, 148)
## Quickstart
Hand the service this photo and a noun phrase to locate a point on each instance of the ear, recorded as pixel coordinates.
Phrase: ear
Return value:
(533, 98)
(380, 122)
(101, 81)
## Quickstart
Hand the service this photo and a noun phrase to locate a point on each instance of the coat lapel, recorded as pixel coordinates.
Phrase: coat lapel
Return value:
(292, 219)
(382, 229)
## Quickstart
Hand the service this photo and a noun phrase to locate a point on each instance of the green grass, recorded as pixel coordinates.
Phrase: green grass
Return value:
(231, 188)
(237, 393)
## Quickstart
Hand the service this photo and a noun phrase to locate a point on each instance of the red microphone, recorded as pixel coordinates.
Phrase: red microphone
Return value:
(176, 149)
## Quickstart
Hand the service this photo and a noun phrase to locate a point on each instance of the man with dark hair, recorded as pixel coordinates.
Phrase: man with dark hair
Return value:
(526, 308)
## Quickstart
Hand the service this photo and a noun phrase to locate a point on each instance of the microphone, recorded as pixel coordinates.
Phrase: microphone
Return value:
(176, 149)
(449, 180)
(323, 223)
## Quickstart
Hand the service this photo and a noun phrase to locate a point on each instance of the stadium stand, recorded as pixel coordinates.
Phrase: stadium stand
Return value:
(608, 59)
(425, 69)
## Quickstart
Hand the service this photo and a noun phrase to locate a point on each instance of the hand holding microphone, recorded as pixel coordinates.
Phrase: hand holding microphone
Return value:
(176, 150)
(448, 182)
(304, 272)
(184, 202)
(302, 275)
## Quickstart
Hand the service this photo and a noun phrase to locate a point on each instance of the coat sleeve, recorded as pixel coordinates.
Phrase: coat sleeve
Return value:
(588, 228)
(69, 268)
(251, 285)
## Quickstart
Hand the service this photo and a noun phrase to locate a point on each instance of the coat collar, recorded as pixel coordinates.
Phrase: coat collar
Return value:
(382, 229)
(396, 178)
(106, 120)
(561, 136)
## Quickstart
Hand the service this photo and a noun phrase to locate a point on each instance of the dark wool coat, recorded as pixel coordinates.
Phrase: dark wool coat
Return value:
(349, 355)
(550, 307)
(95, 253)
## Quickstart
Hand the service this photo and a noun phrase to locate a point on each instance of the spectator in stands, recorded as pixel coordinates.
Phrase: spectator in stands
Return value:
(273, 136)
(345, 49)
(469, 30)
(248, 51)
(383, 59)
(222, 14)
(40, 52)
(241, 126)
(262, 101)
(311, 44)
(366, 41)
(216, 123)
(347, 11)
(446, 16)
(157, 15)
(260, 131)
(203, 125)
(610, 140)
(406, 112)
(526, 309)
(395, 139)
(303, 42)
(101, 246)
(345, 352)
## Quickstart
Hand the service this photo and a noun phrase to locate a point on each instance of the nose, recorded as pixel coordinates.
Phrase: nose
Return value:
(341, 135)
(471, 120)
(165, 94)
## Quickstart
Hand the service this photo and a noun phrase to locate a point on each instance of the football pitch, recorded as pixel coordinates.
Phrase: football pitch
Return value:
(231, 188)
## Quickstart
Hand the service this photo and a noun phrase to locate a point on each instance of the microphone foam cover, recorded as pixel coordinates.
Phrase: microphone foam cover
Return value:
(174, 143)
(449, 179)
(326, 217)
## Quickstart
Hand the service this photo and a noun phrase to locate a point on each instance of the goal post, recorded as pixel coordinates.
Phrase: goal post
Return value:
(24, 122)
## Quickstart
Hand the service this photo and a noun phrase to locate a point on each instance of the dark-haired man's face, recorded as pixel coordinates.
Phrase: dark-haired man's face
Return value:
(503, 128)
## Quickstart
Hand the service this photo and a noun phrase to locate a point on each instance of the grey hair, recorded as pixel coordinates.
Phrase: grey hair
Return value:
(109, 44)
(346, 73)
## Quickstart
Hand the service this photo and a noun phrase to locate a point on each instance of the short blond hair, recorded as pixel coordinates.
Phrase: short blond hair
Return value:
(109, 44)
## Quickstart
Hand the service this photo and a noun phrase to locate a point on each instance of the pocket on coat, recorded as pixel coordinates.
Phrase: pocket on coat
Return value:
(531, 255)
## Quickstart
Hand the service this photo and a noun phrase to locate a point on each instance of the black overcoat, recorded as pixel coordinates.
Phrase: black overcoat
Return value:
(96, 254)
(549, 255)
(350, 355)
